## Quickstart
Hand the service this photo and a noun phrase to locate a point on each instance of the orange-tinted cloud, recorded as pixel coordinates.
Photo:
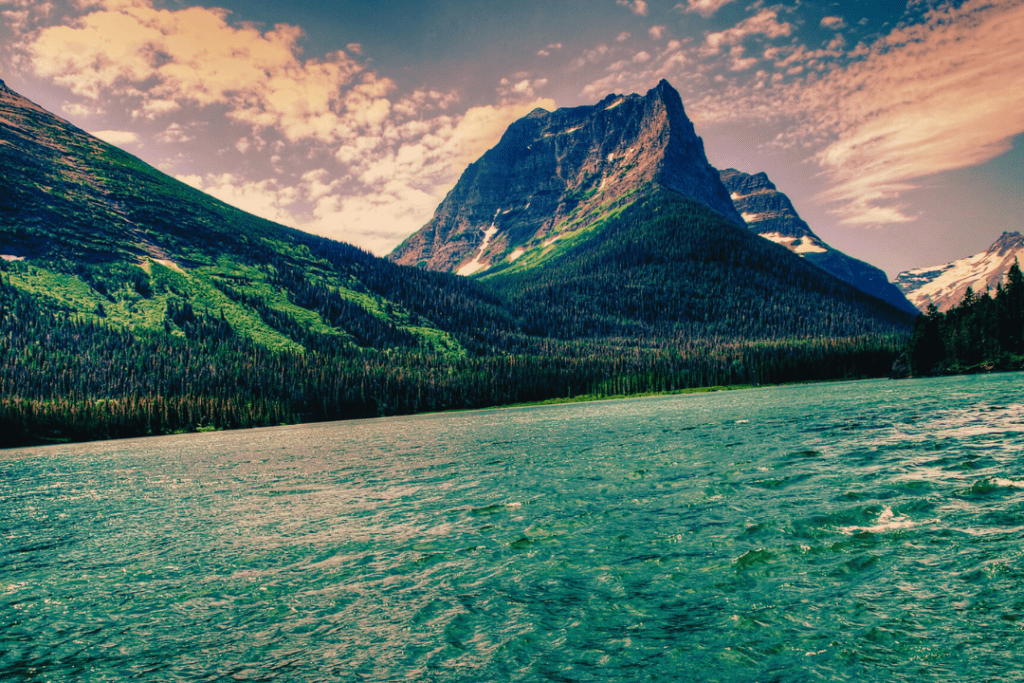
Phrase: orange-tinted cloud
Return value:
(168, 59)
(933, 97)
(705, 8)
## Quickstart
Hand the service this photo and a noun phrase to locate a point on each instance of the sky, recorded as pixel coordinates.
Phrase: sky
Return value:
(896, 128)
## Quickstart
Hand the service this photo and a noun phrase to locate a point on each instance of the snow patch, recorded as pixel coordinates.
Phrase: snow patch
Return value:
(611, 156)
(11, 257)
(808, 246)
(476, 264)
(615, 104)
(516, 254)
(981, 272)
(573, 130)
(777, 237)
(735, 195)
(752, 217)
(797, 245)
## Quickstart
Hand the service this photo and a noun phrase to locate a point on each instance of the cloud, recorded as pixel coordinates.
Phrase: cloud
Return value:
(764, 23)
(937, 96)
(519, 88)
(174, 134)
(656, 32)
(638, 7)
(392, 185)
(834, 23)
(166, 59)
(80, 111)
(266, 198)
(118, 138)
(705, 8)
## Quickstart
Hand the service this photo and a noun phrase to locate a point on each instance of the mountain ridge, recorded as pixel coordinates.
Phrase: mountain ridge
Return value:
(944, 285)
(555, 172)
(771, 214)
(132, 304)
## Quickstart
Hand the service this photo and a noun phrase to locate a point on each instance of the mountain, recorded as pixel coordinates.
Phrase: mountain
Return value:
(132, 304)
(944, 286)
(608, 222)
(555, 173)
(93, 228)
(770, 214)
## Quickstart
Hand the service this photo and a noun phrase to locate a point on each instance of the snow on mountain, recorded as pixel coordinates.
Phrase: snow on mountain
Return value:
(771, 215)
(945, 285)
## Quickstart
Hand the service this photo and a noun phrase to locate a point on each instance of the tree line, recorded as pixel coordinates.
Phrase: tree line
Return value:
(984, 332)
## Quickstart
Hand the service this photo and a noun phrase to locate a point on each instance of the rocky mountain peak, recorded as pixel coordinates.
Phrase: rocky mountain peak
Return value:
(771, 214)
(765, 210)
(1007, 242)
(554, 173)
(944, 285)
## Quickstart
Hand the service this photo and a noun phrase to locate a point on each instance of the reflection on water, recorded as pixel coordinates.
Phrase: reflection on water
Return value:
(855, 531)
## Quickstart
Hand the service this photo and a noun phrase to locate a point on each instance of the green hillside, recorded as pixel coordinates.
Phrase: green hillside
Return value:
(132, 304)
(666, 266)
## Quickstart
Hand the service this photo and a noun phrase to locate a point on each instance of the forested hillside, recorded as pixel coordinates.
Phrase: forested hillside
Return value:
(131, 304)
(980, 334)
(668, 267)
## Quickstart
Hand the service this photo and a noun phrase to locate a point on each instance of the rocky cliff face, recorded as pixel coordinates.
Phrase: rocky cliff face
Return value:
(770, 214)
(554, 173)
(945, 285)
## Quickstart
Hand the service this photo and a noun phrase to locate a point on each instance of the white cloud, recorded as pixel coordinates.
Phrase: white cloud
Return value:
(266, 198)
(392, 185)
(763, 23)
(81, 111)
(174, 134)
(932, 97)
(168, 58)
(118, 138)
(834, 23)
(941, 94)
(705, 8)
(656, 32)
(638, 7)
(623, 37)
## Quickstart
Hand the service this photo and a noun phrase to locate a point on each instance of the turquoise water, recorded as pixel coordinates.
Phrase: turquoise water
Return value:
(862, 531)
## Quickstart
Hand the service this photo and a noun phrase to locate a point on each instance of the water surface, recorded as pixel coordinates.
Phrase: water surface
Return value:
(862, 531)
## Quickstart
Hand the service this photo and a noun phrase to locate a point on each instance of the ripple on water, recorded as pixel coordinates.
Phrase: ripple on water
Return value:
(853, 531)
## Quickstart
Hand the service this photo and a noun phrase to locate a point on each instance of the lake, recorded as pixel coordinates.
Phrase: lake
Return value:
(856, 531)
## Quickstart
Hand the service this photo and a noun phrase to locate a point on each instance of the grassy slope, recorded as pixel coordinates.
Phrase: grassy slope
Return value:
(91, 219)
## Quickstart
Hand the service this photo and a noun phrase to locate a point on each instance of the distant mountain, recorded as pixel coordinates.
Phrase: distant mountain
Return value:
(770, 214)
(555, 173)
(608, 221)
(132, 304)
(945, 285)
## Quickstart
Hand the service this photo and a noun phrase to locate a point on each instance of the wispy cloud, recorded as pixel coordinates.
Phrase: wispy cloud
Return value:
(941, 95)
(942, 92)
(764, 22)
(393, 181)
